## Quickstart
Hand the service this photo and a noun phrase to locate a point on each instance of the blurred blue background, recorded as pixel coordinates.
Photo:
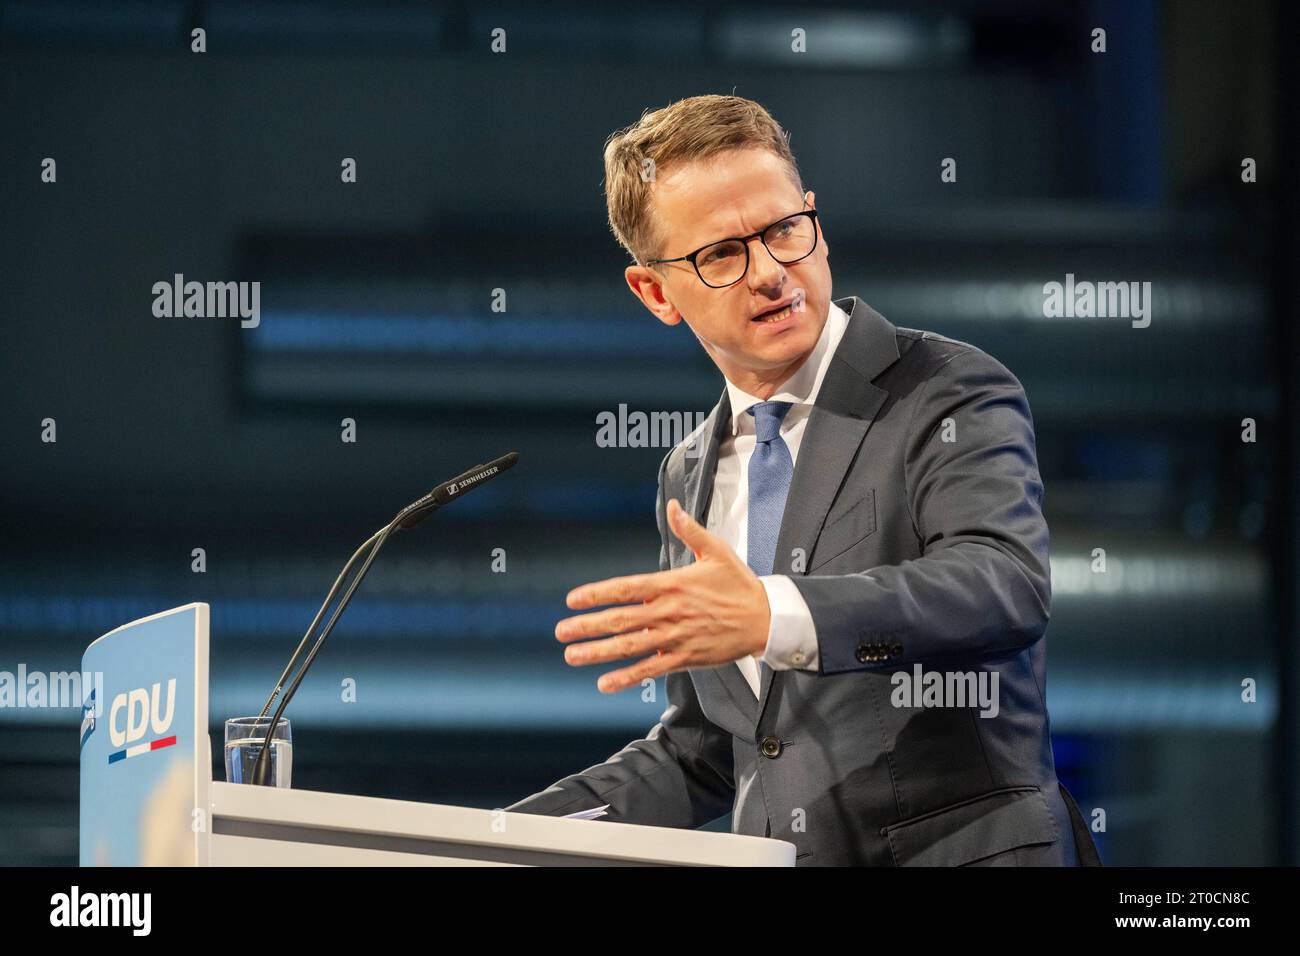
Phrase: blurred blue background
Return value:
(481, 171)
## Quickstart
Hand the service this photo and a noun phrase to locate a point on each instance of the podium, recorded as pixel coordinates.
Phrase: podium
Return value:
(148, 797)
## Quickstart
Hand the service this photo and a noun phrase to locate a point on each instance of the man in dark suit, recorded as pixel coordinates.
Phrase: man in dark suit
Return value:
(854, 581)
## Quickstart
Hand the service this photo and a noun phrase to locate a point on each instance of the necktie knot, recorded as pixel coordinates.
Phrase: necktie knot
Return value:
(767, 418)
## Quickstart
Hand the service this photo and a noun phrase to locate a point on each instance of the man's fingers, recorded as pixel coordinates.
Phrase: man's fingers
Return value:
(624, 590)
(655, 666)
(614, 620)
(646, 641)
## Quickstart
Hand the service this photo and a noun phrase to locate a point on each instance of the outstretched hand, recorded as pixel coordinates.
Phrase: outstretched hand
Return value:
(711, 612)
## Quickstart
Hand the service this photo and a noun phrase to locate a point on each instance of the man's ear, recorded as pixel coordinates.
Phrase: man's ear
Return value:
(647, 286)
(810, 198)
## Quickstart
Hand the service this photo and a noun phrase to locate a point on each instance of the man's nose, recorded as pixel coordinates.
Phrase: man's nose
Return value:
(764, 271)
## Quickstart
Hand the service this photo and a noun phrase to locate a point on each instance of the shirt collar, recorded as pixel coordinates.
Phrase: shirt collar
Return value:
(802, 387)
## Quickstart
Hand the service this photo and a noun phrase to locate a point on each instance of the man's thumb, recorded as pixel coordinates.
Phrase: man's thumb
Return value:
(688, 530)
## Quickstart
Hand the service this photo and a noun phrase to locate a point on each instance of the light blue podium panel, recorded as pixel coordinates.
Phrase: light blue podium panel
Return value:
(146, 763)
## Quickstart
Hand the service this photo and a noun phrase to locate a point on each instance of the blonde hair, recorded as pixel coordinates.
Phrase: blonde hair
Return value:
(690, 129)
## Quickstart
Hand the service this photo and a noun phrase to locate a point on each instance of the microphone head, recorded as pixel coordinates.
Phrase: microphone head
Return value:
(413, 514)
(472, 477)
(505, 462)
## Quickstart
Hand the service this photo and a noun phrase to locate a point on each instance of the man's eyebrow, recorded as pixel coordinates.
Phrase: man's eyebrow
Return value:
(734, 235)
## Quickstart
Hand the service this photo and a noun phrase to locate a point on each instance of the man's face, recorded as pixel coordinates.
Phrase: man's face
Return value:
(734, 194)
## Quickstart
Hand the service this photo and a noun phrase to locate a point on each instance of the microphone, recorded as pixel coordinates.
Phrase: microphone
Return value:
(417, 511)
(408, 517)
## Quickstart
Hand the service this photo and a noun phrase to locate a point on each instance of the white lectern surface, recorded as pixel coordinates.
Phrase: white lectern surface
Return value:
(265, 826)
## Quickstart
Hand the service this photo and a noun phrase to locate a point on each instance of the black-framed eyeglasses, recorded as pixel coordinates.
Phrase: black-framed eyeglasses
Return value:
(724, 263)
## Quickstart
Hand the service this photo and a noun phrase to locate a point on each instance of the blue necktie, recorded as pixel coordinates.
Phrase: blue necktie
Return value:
(770, 471)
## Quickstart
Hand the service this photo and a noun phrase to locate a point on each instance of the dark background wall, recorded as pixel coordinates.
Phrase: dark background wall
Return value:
(481, 171)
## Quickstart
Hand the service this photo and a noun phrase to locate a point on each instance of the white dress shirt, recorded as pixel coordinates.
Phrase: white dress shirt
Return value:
(791, 638)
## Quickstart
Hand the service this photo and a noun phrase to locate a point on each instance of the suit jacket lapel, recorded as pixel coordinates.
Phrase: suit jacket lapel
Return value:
(703, 465)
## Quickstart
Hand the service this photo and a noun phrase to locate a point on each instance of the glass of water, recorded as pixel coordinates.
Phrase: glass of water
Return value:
(244, 737)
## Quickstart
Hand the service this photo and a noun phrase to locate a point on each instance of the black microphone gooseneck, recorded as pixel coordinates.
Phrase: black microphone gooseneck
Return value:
(407, 518)
(279, 684)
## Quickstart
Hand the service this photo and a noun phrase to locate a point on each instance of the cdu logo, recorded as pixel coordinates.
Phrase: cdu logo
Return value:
(143, 717)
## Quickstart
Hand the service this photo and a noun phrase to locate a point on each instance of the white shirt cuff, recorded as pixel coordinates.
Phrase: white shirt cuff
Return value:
(791, 637)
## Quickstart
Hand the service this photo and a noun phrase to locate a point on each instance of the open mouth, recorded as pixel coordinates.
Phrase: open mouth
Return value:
(776, 315)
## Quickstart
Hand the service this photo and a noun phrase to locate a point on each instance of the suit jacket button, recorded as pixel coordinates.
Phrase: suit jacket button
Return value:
(771, 747)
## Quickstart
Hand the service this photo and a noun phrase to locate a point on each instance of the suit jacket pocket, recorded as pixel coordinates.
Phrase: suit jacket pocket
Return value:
(844, 528)
(975, 828)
